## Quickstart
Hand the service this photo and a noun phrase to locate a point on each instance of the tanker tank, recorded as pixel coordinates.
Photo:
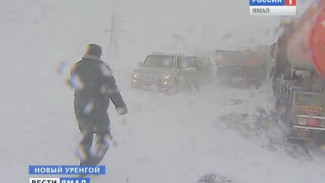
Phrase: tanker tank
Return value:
(306, 43)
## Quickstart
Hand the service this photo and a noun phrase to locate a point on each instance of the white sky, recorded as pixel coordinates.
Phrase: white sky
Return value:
(60, 29)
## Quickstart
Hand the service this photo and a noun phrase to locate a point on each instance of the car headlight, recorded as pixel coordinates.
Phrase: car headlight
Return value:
(135, 75)
(167, 76)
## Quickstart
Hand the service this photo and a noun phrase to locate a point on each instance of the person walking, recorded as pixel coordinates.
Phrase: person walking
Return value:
(94, 87)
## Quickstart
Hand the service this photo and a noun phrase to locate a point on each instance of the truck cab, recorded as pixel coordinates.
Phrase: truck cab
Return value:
(241, 66)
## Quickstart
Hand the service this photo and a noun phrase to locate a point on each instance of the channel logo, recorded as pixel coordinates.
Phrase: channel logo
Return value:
(272, 7)
(59, 180)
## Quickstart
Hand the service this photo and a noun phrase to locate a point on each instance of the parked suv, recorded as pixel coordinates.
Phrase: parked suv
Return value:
(160, 70)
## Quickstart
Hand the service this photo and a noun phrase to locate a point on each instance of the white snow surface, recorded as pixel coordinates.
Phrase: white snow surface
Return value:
(163, 139)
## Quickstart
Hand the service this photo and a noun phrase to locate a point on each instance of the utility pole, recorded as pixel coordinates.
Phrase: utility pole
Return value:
(111, 38)
(112, 47)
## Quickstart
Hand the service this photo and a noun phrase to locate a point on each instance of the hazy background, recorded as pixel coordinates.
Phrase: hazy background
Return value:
(37, 36)
(40, 40)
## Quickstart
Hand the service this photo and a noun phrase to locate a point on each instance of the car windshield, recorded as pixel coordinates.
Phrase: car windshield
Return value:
(159, 61)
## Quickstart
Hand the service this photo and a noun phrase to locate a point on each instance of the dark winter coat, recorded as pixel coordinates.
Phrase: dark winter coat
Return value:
(94, 88)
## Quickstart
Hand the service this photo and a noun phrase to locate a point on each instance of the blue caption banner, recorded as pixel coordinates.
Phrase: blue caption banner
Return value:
(74, 180)
(266, 2)
(64, 169)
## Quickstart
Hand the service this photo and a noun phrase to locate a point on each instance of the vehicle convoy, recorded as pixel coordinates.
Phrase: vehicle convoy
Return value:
(298, 76)
(244, 66)
(167, 72)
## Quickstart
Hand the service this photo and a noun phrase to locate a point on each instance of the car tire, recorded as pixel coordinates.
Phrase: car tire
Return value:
(174, 89)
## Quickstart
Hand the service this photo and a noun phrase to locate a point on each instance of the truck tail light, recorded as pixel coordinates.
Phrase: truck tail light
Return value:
(314, 122)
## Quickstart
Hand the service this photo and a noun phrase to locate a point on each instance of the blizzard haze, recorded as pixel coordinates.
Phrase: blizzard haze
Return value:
(163, 138)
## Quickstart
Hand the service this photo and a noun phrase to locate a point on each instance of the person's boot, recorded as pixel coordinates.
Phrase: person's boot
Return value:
(100, 152)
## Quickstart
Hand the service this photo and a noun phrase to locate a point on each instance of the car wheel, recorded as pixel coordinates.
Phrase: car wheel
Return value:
(174, 88)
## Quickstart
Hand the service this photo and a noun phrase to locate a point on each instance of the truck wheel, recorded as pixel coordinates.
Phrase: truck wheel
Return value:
(273, 86)
(290, 134)
(278, 106)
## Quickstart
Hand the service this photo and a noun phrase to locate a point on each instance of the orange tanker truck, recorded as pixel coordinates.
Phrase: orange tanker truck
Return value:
(298, 77)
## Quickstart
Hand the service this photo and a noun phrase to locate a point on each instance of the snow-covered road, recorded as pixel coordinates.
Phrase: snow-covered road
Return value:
(164, 138)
